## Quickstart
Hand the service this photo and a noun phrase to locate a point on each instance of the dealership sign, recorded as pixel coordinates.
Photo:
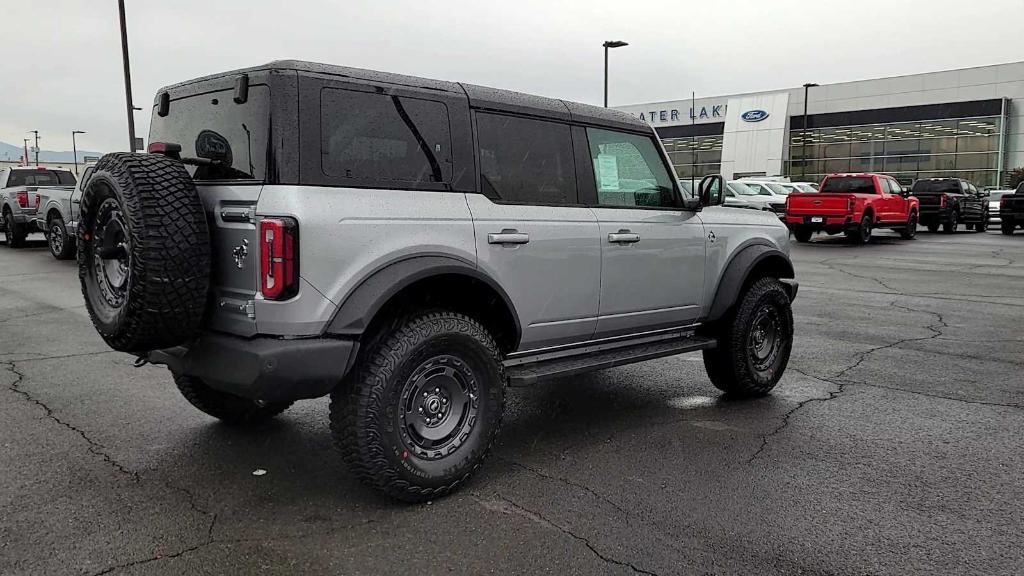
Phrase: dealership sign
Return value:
(754, 116)
(672, 115)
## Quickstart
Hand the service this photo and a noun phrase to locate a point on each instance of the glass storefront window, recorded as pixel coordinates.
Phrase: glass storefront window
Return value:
(937, 128)
(938, 162)
(938, 145)
(893, 147)
(977, 144)
(977, 161)
(978, 126)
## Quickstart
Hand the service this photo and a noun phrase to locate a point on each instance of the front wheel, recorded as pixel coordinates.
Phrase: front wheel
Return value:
(754, 342)
(910, 231)
(422, 407)
(62, 245)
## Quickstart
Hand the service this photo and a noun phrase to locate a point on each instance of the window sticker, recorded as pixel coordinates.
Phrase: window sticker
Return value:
(608, 172)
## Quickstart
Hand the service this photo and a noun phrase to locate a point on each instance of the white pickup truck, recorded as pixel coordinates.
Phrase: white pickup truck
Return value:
(24, 191)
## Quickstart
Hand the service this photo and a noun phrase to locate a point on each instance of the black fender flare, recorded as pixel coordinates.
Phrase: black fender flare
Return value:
(737, 272)
(361, 305)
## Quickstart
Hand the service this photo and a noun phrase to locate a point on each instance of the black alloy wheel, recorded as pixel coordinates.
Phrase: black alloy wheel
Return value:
(439, 405)
(950, 225)
(910, 231)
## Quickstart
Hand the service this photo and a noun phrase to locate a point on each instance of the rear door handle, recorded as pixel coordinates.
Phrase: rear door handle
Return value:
(508, 237)
(623, 237)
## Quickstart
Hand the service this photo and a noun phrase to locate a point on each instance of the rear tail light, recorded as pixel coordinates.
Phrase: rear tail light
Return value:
(942, 201)
(23, 199)
(279, 258)
(1003, 202)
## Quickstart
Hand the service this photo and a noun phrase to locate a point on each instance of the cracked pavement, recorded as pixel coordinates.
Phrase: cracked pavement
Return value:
(891, 446)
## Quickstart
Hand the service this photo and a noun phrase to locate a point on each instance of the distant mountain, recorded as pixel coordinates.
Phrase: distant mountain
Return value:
(12, 152)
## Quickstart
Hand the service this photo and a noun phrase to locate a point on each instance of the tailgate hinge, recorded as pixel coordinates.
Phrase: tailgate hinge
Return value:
(250, 309)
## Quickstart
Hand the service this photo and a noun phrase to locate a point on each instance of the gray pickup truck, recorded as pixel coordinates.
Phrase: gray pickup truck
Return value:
(58, 216)
(410, 247)
(23, 191)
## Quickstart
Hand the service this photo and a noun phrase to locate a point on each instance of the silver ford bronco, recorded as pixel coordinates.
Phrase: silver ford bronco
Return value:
(411, 247)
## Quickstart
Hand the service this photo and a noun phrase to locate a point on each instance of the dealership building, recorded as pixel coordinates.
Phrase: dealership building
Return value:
(965, 123)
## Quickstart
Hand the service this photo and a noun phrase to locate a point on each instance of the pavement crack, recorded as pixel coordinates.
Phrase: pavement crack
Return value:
(541, 519)
(935, 329)
(94, 447)
(832, 395)
(565, 481)
(937, 396)
(828, 264)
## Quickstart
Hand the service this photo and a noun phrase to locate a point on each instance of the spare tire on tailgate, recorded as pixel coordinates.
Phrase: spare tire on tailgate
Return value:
(143, 252)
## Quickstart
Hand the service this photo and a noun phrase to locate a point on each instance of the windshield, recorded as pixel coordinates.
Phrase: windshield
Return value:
(767, 188)
(741, 189)
(849, 185)
(936, 186)
(804, 187)
(687, 187)
(36, 177)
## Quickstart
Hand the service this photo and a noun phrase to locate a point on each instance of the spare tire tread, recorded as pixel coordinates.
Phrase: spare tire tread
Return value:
(170, 250)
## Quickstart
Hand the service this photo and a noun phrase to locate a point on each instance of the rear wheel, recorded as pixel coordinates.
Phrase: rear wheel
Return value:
(802, 235)
(62, 245)
(14, 233)
(423, 406)
(933, 227)
(754, 342)
(230, 409)
(983, 225)
(862, 233)
(949, 226)
(910, 231)
(1006, 227)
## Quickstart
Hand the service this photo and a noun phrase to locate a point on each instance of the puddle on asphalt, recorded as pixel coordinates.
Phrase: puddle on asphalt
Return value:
(691, 402)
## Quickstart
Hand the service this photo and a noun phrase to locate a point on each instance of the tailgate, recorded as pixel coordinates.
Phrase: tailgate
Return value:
(231, 214)
(818, 204)
(929, 200)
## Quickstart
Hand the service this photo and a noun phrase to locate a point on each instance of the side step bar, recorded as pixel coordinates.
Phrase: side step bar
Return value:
(525, 371)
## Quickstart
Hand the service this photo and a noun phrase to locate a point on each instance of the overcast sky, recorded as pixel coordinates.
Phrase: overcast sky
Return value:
(62, 63)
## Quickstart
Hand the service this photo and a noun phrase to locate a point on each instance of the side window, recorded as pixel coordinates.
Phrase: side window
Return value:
(525, 160)
(628, 170)
(964, 187)
(379, 137)
(972, 188)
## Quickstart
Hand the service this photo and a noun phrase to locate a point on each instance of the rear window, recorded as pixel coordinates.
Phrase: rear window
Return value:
(380, 137)
(936, 187)
(849, 185)
(35, 177)
(212, 126)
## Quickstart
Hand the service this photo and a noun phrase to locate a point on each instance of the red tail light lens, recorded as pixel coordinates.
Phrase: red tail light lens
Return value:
(942, 201)
(279, 258)
(22, 198)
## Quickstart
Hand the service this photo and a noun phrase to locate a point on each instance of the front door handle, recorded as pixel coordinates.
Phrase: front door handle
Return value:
(508, 236)
(623, 237)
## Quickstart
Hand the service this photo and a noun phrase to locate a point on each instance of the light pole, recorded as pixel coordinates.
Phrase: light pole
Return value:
(36, 132)
(74, 148)
(26, 149)
(127, 79)
(803, 131)
(609, 44)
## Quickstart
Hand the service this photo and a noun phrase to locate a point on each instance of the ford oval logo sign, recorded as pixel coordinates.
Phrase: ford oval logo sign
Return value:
(754, 116)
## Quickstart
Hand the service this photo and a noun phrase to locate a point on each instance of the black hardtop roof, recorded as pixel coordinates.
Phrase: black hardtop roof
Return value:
(479, 96)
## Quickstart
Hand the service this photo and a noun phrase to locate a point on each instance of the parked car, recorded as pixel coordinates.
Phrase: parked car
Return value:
(766, 188)
(799, 187)
(1011, 210)
(22, 190)
(854, 204)
(949, 202)
(415, 246)
(739, 195)
(993, 204)
(58, 216)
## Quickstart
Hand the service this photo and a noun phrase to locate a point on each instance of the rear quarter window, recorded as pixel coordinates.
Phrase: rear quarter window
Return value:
(214, 127)
(386, 139)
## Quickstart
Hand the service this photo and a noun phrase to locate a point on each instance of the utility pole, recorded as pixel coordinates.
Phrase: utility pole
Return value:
(127, 78)
(26, 150)
(74, 148)
(36, 132)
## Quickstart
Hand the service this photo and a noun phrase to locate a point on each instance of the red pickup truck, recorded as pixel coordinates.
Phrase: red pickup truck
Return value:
(854, 204)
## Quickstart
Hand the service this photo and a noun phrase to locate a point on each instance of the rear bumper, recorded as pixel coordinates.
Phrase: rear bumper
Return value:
(827, 223)
(267, 369)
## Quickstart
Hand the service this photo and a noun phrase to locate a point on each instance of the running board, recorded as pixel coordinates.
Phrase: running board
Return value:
(523, 372)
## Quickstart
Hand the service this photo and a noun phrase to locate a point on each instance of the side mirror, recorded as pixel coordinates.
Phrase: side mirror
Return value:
(712, 190)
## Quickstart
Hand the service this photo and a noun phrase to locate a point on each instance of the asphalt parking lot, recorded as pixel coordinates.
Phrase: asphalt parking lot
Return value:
(891, 446)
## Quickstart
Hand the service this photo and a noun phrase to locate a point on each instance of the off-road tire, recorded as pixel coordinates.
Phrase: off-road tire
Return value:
(910, 231)
(61, 244)
(1007, 227)
(153, 295)
(731, 366)
(14, 233)
(933, 227)
(949, 226)
(230, 409)
(373, 430)
(802, 235)
(862, 233)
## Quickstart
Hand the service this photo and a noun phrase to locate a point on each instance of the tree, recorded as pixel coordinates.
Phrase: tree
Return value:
(1016, 177)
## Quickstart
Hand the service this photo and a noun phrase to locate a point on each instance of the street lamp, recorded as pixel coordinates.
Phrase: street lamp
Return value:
(74, 148)
(803, 131)
(36, 132)
(609, 44)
